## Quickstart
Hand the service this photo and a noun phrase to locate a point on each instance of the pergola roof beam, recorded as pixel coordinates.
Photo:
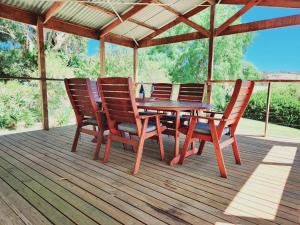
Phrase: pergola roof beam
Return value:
(23, 16)
(110, 12)
(184, 19)
(173, 23)
(57, 5)
(263, 25)
(237, 15)
(234, 29)
(270, 3)
(124, 17)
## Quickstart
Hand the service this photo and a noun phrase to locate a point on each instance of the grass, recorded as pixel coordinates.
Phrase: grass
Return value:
(246, 127)
(254, 127)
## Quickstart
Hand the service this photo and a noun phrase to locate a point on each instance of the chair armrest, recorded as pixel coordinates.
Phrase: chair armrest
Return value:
(221, 113)
(153, 115)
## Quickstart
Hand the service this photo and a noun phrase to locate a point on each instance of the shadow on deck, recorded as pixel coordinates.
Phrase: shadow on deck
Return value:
(42, 182)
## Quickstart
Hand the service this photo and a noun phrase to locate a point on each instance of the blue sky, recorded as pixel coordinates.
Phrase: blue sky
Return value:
(276, 50)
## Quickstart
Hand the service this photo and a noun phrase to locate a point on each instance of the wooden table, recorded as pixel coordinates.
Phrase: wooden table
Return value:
(176, 107)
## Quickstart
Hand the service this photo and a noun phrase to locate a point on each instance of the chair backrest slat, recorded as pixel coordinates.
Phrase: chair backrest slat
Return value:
(80, 92)
(162, 91)
(191, 92)
(118, 101)
(238, 103)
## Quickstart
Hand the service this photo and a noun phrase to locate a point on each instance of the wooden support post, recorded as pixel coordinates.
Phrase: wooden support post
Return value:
(135, 65)
(42, 71)
(267, 109)
(211, 53)
(102, 57)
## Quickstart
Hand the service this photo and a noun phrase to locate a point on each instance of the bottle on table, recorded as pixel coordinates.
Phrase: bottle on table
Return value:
(142, 91)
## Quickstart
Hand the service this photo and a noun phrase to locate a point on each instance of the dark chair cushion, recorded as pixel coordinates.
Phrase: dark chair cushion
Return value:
(203, 128)
(131, 128)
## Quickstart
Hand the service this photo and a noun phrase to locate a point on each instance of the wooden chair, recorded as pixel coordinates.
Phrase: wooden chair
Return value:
(191, 92)
(162, 91)
(227, 125)
(82, 94)
(118, 99)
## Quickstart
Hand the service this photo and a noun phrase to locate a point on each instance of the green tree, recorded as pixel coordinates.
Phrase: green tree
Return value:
(187, 61)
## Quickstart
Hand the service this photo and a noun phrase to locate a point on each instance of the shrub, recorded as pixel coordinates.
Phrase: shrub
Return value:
(284, 106)
(19, 103)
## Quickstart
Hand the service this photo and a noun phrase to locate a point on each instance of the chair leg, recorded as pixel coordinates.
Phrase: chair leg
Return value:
(201, 147)
(123, 134)
(187, 140)
(95, 137)
(160, 139)
(192, 145)
(99, 142)
(220, 159)
(76, 137)
(139, 155)
(140, 148)
(184, 149)
(218, 150)
(236, 151)
(107, 149)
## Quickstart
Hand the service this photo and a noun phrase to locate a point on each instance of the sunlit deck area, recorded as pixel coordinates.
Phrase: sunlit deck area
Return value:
(42, 182)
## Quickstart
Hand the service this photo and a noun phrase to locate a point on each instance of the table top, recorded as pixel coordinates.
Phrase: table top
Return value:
(172, 105)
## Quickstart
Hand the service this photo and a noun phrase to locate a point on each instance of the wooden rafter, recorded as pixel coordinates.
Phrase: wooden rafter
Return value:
(124, 17)
(237, 15)
(57, 5)
(110, 12)
(184, 19)
(270, 3)
(234, 29)
(263, 25)
(23, 16)
(212, 2)
(172, 39)
(171, 24)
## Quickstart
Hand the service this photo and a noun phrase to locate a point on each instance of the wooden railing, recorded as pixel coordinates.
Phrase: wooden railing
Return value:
(268, 82)
(268, 98)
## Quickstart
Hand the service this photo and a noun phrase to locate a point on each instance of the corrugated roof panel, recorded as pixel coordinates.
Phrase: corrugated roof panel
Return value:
(119, 5)
(83, 15)
(147, 13)
(161, 19)
(183, 6)
(138, 32)
(38, 7)
(123, 28)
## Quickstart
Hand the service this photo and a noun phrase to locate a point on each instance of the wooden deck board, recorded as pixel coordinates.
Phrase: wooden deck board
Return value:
(38, 170)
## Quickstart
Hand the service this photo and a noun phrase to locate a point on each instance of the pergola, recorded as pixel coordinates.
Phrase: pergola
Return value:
(135, 24)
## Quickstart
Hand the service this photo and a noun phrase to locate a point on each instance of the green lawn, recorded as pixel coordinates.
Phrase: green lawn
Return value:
(246, 126)
(253, 127)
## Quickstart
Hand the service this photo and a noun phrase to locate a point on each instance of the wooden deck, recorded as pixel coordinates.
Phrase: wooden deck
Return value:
(42, 182)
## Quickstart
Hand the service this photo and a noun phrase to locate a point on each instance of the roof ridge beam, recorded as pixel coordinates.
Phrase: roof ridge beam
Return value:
(52, 10)
(110, 12)
(185, 20)
(238, 14)
(142, 4)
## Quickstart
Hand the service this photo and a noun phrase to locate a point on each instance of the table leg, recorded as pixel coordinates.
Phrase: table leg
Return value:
(175, 159)
(190, 152)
